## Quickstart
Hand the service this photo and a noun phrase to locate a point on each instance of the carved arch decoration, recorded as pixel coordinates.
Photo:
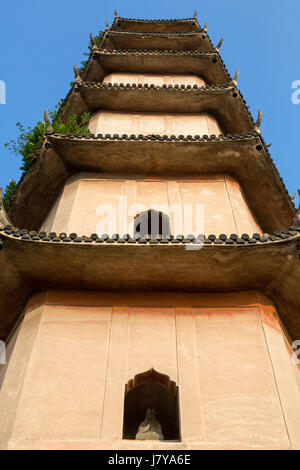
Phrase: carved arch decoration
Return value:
(151, 389)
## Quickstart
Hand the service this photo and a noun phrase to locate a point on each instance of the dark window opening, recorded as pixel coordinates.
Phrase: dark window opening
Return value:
(156, 391)
(152, 223)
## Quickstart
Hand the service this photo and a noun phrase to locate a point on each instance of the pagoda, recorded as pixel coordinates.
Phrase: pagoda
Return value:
(151, 267)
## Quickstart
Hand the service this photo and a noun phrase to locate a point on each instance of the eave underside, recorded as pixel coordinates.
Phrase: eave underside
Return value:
(207, 65)
(33, 266)
(242, 157)
(184, 41)
(224, 103)
(130, 24)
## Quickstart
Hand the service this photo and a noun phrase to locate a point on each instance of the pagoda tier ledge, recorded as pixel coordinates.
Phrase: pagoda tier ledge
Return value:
(157, 33)
(244, 157)
(223, 102)
(35, 262)
(176, 25)
(222, 239)
(195, 40)
(207, 65)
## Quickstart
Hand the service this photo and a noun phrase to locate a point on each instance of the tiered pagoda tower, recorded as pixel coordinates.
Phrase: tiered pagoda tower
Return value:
(153, 263)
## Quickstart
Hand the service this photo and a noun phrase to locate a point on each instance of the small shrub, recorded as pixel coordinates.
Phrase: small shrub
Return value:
(9, 193)
(30, 138)
(74, 125)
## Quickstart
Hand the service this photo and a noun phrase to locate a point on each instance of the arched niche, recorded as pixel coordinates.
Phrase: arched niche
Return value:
(151, 390)
(152, 223)
(78, 209)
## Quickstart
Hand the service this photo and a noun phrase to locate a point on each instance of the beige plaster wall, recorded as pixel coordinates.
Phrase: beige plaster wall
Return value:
(64, 387)
(91, 203)
(9, 346)
(154, 79)
(109, 122)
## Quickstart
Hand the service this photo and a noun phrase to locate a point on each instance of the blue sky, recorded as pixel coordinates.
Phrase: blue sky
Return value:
(40, 42)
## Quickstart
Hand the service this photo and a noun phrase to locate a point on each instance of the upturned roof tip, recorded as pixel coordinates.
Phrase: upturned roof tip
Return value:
(296, 221)
(258, 122)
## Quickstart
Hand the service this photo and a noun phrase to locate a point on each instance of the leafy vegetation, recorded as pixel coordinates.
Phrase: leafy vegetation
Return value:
(27, 142)
(30, 138)
(9, 192)
(97, 40)
(74, 125)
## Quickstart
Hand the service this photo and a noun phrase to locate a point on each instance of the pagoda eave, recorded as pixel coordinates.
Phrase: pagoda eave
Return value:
(182, 25)
(157, 40)
(243, 157)
(224, 102)
(207, 65)
(112, 266)
(35, 192)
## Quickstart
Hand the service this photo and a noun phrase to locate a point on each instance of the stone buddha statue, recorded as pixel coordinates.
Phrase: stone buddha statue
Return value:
(150, 429)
